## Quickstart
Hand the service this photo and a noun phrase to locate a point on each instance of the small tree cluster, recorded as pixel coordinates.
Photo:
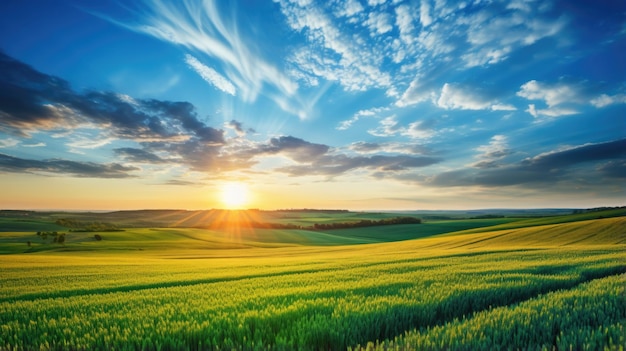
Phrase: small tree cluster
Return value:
(57, 237)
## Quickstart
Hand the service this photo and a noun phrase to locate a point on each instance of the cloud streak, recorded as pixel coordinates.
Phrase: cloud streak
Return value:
(334, 165)
(546, 168)
(65, 167)
(205, 28)
(210, 75)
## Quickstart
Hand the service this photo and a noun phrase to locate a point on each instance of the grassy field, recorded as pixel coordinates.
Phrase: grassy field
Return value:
(552, 283)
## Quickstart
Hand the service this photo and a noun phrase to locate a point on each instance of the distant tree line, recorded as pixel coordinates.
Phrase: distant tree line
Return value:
(316, 226)
(596, 209)
(487, 216)
(311, 210)
(367, 223)
(78, 226)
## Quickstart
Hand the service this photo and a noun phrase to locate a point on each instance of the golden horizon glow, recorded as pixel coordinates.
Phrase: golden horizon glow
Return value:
(234, 195)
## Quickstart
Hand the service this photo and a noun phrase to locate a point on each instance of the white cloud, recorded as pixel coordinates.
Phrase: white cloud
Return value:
(346, 124)
(497, 147)
(404, 21)
(522, 5)
(379, 23)
(387, 127)
(486, 56)
(87, 141)
(376, 2)
(493, 38)
(550, 112)
(552, 94)
(425, 17)
(381, 47)
(40, 144)
(453, 97)
(10, 142)
(210, 75)
(362, 147)
(606, 100)
(532, 110)
(350, 8)
(491, 153)
(333, 54)
(503, 107)
(418, 91)
(419, 130)
(467, 98)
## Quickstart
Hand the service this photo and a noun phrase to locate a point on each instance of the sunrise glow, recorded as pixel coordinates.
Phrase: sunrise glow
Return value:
(234, 195)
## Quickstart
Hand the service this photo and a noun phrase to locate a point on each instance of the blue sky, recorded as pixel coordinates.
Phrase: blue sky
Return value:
(360, 104)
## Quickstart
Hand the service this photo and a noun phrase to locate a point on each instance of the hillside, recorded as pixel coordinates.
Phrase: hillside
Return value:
(437, 235)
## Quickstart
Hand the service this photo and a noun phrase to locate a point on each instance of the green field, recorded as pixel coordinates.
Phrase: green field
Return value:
(467, 284)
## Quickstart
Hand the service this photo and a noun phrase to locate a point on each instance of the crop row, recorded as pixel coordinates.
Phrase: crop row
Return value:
(588, 317)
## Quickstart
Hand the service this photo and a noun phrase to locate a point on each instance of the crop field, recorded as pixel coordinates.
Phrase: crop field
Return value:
(551, 284)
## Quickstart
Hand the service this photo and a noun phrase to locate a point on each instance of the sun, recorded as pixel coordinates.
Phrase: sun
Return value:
(234, 195)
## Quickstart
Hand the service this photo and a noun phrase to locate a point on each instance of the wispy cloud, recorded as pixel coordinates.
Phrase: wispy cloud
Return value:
(40, 144)
(390, 147)
(210, 75)
(334, 165)
(206, 28)
(390, 126)
(346, 124)
(138, 155)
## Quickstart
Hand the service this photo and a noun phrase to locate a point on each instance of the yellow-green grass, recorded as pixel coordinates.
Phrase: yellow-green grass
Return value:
(186, 239)
(416, 231)
(179, 294)
(530, 222)
(17, 225)
(608, 231)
